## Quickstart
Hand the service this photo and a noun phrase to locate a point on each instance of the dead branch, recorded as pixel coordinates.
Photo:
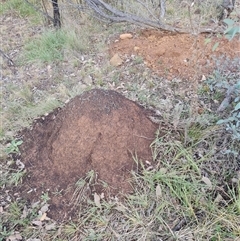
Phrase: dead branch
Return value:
(10, 62)
(107, 13)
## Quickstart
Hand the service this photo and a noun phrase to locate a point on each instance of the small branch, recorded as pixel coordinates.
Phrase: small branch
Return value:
(10, 62)
(150, 12)
(163, 8)
(45, 9)
(190, 17)
(39, 10)
(106, 11)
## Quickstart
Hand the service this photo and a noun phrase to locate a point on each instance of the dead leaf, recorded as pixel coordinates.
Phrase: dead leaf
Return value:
(44, 208)
(121, 208)
(44, 217)
(158, 191)
(102, 195)
(203, 78)
(50, 226)
(33, 239)
(14, 237)
(25, 212)
(207, 182)
(235, 180)
(218, 199)
(97, 200)
(34, 205)
(37, 223)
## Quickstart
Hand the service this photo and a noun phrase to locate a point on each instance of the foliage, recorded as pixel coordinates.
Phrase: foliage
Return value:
(47, 48)
(229, 85)
(45, 198)
(50, 46)
(232, 88)
(16, 178)
(232, 123)
(233, 28)
(225, 82)
(13, 146)
(19, 7)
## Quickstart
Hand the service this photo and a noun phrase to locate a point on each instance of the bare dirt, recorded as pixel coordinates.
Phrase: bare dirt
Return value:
(182, 56)
(99, 130)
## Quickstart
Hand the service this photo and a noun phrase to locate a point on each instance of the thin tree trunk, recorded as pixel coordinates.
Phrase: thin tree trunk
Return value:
(56, 14)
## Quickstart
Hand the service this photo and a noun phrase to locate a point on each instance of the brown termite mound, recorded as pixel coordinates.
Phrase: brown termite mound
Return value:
(99, 131)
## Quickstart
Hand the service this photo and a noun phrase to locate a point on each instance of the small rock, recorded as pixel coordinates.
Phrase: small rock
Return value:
(136, 48)
(203, 78)
(116, 60)
(125, 36)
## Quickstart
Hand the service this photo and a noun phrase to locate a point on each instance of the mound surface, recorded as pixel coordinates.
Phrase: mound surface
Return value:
(181, 56)
(98, 131)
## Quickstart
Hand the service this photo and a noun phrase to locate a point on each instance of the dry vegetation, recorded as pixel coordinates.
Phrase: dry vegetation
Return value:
(192, 192)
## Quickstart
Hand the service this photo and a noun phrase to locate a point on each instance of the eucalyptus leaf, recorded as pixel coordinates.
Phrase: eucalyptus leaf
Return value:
(228, 21)
(215, 46)
(237, 107)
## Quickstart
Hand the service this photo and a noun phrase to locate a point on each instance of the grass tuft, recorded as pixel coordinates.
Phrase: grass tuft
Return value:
(19, 7)
(51, 46)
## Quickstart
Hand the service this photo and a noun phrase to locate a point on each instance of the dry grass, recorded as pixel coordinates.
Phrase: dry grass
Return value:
(191, 193)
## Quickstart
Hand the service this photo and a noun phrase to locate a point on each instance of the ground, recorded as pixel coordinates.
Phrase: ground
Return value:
(182, 56)
(66, 146)
(101, 131)
(150, 119)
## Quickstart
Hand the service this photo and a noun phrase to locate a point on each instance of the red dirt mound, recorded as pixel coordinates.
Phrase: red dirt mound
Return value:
(178, 55)
(99, 130)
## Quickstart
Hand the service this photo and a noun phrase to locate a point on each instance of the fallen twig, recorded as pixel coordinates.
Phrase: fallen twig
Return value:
(10, 62)
(106, 12)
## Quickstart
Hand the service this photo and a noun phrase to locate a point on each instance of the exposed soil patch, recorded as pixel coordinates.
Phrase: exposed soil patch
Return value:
(177, 55)
(99, 130)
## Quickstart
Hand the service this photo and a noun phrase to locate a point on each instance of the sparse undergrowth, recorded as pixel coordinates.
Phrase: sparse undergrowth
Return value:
(179, 198)
(192, 192)
(225, 83)
(21, 9)
(50, 46)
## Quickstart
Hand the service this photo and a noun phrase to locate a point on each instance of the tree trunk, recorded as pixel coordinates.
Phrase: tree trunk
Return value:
(56, 14)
